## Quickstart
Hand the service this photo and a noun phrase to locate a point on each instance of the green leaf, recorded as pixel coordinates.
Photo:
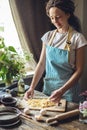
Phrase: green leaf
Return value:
(11, 48)
(2, 57)
(2, 45)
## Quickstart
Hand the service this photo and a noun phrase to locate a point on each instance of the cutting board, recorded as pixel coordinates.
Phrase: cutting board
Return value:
(61, 107)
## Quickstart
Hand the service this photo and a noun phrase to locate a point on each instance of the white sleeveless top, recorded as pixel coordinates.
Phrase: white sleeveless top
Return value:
(77, 41)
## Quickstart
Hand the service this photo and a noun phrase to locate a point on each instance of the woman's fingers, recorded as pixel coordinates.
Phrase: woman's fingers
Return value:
(28, 94)
(55, 96)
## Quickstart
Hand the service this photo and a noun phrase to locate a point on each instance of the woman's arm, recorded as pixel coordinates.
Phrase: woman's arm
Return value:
(38, 73)
(39, 69)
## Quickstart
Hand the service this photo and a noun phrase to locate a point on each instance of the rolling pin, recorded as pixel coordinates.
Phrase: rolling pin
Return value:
(63, 116)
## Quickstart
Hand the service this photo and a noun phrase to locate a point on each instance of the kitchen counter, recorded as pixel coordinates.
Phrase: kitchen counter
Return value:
(66, 124)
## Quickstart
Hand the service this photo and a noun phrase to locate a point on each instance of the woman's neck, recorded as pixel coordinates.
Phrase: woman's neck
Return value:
(63, 29)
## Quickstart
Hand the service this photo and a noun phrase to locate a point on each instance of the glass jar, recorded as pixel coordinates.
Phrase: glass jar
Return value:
(83, 108)
(21, 87)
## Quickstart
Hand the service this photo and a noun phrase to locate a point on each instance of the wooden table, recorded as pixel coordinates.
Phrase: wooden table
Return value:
(69, 124)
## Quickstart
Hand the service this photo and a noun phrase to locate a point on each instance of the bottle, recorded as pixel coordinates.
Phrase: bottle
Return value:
(21, 87)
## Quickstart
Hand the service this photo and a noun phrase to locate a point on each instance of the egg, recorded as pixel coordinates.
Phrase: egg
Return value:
(27, 110)
(43, 112)
(38, 117)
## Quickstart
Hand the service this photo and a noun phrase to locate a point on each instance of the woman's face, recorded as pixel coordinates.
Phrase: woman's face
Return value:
(58, 17)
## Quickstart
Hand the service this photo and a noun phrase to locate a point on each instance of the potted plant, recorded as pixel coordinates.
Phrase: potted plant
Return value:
(12, 64)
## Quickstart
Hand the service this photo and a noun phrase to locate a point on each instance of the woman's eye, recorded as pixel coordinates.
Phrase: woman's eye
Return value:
(57, 17)
(52, 18)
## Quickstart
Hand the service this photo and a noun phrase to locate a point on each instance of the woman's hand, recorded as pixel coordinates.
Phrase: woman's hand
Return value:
(29, 94)
(56, 96)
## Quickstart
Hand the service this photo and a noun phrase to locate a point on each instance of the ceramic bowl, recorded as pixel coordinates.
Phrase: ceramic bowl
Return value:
(9, 101)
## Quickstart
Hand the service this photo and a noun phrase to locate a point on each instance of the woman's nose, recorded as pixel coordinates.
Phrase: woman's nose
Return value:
(55, 20)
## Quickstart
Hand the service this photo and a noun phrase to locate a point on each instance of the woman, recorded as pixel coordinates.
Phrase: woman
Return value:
(62, 54)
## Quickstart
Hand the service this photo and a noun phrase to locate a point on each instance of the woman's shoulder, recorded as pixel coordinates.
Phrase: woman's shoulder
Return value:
(79, 39)
(46, 37)
(78, 35)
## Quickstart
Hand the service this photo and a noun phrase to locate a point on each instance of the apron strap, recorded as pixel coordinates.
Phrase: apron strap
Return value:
(69, 35)
(53, 35)
(67, 47)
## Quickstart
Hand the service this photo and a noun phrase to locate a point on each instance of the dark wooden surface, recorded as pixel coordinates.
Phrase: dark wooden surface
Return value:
(32, 124)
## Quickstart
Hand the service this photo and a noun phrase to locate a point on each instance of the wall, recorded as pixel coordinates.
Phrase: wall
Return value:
(81, 9)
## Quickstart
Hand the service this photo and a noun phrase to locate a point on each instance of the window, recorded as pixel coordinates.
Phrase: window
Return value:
(8, 29)
(7, 26)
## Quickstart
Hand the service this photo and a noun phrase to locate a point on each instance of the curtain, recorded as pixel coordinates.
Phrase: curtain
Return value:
(31, 23)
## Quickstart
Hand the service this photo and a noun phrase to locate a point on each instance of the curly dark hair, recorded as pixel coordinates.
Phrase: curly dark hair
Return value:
(68, 7)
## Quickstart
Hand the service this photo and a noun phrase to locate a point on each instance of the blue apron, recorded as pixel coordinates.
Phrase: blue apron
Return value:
(58, 72)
